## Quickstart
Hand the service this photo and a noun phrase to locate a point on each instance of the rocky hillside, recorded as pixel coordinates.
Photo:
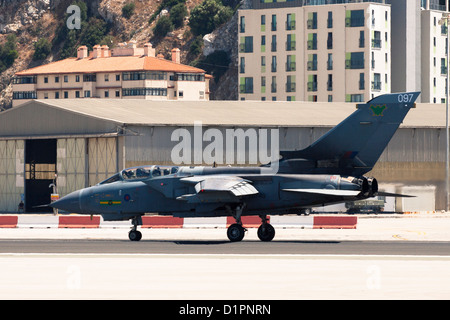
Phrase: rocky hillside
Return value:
(34, 32)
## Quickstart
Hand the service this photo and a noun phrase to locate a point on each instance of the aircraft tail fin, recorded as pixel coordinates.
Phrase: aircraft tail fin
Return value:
(355, 145)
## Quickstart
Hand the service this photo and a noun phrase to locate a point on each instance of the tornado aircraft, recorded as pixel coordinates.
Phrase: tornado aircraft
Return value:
(330, 171)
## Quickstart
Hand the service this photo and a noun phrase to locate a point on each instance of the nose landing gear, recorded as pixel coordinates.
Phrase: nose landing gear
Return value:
(134, 234)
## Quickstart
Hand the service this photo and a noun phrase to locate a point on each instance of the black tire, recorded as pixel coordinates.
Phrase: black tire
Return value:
(266, 232)
(235, 232)
(135, 235)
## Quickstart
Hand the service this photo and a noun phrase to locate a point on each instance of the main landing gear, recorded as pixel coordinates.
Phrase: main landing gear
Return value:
(236, 232)
(134, 234)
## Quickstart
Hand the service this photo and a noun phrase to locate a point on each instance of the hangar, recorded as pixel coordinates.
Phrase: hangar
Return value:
(86, 141)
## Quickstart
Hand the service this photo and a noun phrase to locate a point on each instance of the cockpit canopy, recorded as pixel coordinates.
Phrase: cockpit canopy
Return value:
(141, 173)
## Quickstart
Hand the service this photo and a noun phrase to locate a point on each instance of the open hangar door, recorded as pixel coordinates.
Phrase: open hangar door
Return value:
(12, 159)
(40, 170)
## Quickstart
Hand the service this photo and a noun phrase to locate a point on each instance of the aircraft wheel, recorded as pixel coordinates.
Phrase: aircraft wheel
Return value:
(235, 232)
(266, 232)
(134, 235)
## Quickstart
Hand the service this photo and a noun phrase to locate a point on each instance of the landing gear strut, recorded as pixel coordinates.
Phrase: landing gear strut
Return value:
(236, 232)
(266, 232)
(134, 234)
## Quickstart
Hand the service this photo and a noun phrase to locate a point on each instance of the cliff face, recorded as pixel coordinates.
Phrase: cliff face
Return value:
(32, 20)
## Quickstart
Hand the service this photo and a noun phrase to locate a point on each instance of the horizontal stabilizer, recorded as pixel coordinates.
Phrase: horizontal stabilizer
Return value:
(328, 192)
(396, 195)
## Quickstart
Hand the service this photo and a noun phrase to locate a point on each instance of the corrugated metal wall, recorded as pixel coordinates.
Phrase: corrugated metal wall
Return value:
(71, 165)
(12, 181)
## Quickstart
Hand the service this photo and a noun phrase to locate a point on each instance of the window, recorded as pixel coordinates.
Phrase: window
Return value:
(242, 65)
(354, 60)
(312, 41)
(45, 79)
(290, 84)
(376, 84)
(144, 92)
(106, 94)
(77, 78)
(312, 82)
(66, 94)
(354, 18)
(362, 84)
(290, 63)
(77, 94)
(290, 43)
(330, 83)
(247, 45)
(106, 77)
(66, 78)
(290, 21)
(56, 95)
(87, 93)
(274, 22)
(312, 62)
(330, 62)
(274, 64)
(117, 94)
(330, 19)
(312, 20)
(117, 77)
(56, 79)
(242, 24)
(89, 78)
(273, 86)
(362, 39)
(376, 41)
(274, 43)
(246, 85)
(330, 40)
(18, 95)
(263, 23)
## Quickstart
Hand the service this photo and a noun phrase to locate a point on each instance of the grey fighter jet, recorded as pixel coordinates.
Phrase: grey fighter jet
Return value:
(329, 171)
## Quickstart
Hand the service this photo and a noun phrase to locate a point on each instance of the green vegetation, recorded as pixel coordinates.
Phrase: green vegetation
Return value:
(163, 26)
(208, 16)
(177, 14)
(8, 52)
(42, 49)
(128, 10)
(93, 31)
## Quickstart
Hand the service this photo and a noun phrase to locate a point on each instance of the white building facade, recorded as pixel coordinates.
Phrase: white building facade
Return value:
(325, 51)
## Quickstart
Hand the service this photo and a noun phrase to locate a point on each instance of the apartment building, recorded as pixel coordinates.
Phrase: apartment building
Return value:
(434, 50)
(314, 51)
(124, 72)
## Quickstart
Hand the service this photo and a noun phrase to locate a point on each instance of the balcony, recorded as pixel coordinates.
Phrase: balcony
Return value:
(312, 86)
(290, 66)
(354, 64)
(290, 45)
(290, 87)
(312, 65)
(376, 85)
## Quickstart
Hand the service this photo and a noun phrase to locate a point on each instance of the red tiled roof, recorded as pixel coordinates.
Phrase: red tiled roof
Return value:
(109, 64)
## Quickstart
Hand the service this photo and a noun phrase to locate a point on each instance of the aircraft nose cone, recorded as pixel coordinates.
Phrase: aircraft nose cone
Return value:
(69, 203)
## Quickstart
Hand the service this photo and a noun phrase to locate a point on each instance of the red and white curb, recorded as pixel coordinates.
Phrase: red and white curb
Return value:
(96, 221)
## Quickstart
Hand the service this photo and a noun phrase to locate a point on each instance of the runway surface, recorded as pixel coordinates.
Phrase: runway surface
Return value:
(384, 258)
(249, 247)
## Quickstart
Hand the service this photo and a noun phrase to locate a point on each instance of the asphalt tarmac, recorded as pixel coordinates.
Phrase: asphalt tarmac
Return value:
(386, 257)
